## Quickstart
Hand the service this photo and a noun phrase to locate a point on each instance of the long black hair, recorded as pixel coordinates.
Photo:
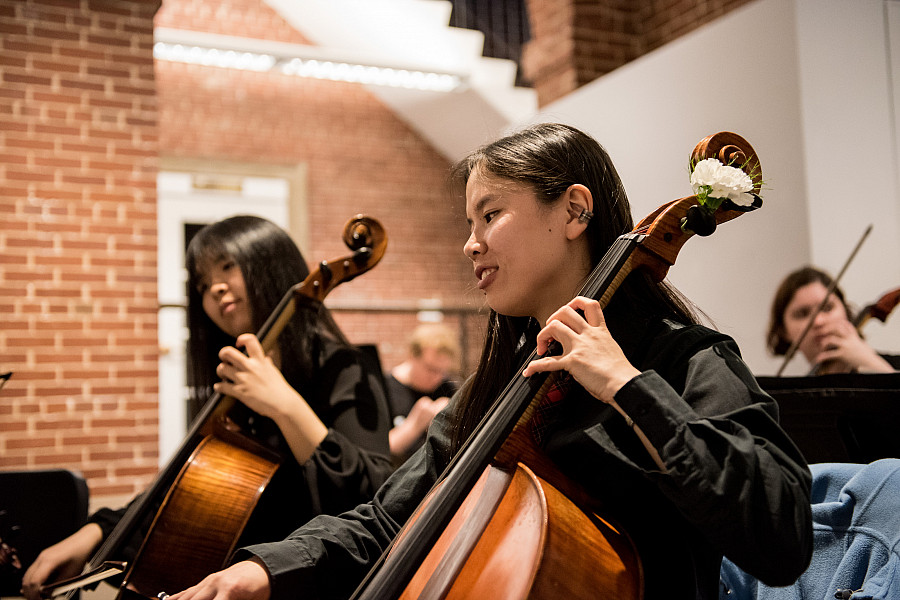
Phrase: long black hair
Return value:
(549, 158)
(270, 263)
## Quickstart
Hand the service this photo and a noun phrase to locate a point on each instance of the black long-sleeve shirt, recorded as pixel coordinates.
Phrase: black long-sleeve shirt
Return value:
(734, 483)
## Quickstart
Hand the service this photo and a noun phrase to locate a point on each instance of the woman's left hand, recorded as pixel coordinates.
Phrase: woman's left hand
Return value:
(842, 345)
(254, 379)
(589, 352)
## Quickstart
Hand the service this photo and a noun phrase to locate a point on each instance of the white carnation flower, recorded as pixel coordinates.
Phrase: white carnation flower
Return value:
(722, 181)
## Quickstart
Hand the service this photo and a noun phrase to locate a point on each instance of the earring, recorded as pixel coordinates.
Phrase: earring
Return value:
(585, 216)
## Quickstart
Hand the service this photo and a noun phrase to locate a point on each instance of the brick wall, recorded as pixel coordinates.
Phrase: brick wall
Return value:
(84, 117)
(78, 155)
(573, 43)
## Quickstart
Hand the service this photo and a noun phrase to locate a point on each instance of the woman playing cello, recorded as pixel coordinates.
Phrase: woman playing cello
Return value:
(314, 389)
(717, 476)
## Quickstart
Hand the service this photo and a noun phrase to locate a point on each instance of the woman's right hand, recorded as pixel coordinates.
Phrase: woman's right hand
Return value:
(62, 560)
(842, 349)
(244, 580)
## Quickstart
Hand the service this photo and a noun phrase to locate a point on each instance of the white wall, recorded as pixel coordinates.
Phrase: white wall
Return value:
(849, 88)
(807, 83)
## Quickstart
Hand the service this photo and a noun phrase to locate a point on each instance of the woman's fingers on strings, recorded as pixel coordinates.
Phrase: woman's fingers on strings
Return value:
(540, 365)
(562, 327)
(222, 371)
(570, 316)
(555, 331)
(231, 355)
(590, 310)
(251, 344)
(593, 313)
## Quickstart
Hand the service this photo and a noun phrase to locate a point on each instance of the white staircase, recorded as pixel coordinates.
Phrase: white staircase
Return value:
(415, 34)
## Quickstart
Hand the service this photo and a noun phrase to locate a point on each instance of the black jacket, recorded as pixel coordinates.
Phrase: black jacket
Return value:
(735, 483)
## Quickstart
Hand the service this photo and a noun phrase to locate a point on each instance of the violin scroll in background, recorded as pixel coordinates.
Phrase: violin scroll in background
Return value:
(880, 309)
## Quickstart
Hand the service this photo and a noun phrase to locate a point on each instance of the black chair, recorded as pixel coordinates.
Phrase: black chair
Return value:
(37, 509)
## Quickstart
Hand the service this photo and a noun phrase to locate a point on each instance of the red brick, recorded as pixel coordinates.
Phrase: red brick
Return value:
(57, 459)
(13, 443)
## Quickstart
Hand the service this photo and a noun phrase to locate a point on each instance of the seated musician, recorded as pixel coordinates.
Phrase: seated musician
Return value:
(313, 388)
(660, 421)
(832, 344)
(420, 386)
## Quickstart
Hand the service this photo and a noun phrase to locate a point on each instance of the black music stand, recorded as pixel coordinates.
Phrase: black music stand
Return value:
(849, 417)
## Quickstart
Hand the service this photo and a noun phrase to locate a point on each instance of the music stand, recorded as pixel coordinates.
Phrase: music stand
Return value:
(848, 417)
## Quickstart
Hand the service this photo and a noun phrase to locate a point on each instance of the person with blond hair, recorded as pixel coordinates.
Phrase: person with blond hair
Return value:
(420, 386)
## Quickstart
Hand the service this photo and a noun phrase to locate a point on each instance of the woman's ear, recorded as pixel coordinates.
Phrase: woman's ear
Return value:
(580, 207)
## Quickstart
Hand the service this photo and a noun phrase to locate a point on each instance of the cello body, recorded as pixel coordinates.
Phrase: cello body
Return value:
(518, 536)
(202, 516)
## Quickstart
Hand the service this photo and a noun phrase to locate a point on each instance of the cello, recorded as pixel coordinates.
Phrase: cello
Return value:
(502, 521)
(203, 498)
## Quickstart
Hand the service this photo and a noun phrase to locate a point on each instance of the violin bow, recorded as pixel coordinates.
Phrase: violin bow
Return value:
(796, 344)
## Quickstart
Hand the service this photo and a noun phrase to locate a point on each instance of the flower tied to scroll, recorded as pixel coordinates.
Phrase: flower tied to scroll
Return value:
(714, 183)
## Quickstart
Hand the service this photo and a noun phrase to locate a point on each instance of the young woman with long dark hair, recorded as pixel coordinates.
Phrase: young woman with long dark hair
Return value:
(314, 391)
(713, 474)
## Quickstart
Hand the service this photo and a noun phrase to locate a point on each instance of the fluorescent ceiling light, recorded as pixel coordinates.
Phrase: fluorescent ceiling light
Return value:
(355, 73)
(298, 60)
(213, 57)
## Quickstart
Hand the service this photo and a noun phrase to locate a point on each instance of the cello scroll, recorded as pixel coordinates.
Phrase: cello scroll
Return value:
(664, 232)
(367, 239)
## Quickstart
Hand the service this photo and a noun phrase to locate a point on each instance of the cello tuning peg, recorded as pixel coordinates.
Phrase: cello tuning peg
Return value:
(699, 220)
(325, 269)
